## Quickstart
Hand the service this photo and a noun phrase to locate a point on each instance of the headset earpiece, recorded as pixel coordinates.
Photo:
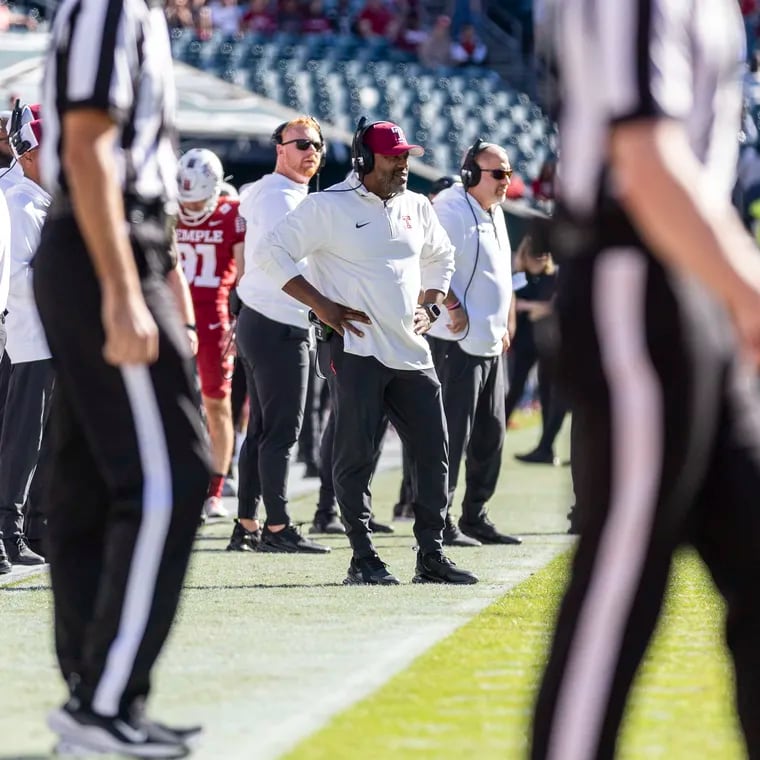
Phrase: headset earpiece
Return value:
(362, 158)
(470, 171)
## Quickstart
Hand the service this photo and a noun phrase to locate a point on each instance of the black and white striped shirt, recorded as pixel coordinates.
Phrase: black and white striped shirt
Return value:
(623, 60)
(114, 56)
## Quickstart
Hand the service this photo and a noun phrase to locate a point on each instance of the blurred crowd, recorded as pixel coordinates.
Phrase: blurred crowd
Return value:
(445, 40)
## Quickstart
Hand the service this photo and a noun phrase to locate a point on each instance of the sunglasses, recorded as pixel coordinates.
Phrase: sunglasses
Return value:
(303, 144)
(498, 174)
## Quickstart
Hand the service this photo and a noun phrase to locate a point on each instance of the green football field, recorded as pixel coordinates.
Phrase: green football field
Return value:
(276, 658)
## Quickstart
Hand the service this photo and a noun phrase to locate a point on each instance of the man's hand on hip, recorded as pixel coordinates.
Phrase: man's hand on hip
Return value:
(341, 317)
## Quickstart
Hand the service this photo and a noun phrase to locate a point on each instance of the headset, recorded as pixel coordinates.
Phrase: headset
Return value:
(471, 171)
(276, 139)
(18, 145)
(362, 158)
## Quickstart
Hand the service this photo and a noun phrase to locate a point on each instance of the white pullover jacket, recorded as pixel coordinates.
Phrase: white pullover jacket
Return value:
(370, 255)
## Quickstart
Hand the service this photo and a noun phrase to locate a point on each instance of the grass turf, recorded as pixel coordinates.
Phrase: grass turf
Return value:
(471, 695)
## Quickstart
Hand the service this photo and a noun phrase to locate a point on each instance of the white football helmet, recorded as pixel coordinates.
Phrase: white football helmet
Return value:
(199, 179)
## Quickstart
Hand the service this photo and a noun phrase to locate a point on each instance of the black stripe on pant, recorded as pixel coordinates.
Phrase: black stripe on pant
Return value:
(129, 472)
(473, 399)
(671, 450)
(28, 399)
(363, 391)
(276, 361)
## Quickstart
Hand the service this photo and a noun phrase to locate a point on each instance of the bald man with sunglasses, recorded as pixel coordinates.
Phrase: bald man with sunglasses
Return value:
(468, 343)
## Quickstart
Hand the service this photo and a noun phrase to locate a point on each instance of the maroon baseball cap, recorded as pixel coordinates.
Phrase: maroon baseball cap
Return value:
(387, 139)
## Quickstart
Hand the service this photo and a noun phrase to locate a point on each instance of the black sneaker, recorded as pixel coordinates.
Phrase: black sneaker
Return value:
(289, 540)
(243, 540)
(5, 565)
(190, 736)
(378, 527)
(538, 456)
(82, 729)
(19, 552)
(436, 567)
(326, 522)
(452, 536)
(369, 571)
(403, 511)
(486, 532)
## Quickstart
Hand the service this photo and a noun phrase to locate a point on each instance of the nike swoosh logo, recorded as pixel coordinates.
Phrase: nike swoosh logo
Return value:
(363, 224)
(133, 735)
(214, 223)
(215, 325)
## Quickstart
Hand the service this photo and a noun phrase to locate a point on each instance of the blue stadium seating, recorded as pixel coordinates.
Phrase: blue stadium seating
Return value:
(342, 77)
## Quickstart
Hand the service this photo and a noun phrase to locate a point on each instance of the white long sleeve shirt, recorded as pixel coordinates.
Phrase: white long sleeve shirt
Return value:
(263, 204)
(10, 176)
(369, 255)
(482, 278)
(27, 205)
(5, 253)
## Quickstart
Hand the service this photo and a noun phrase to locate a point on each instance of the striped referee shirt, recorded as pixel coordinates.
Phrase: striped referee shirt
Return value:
(623, 60)
(114, 56)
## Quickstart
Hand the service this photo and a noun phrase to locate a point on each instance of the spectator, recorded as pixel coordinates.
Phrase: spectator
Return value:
(468, 49)
(411, 34)
(436, 49)
(543, 185)
(10, 19)
(258, 18)
(225, 17)
(315, 20)
(375, 20)
(179, 15)
(289, 16)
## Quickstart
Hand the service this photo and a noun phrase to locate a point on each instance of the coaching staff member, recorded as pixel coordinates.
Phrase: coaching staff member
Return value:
(273, 343)
(372, 247)
(658, 277)
(130, 466)
(468, 342)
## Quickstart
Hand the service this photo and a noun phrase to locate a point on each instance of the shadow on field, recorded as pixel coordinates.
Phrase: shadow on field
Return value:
(241, 586)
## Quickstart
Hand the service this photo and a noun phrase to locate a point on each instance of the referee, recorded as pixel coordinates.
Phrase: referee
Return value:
(659, 309)
(130, 466)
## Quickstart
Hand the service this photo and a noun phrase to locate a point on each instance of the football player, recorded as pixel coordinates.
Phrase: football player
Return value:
(210, 234)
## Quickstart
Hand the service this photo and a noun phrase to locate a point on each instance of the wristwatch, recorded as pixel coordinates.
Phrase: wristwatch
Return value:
(433, 310)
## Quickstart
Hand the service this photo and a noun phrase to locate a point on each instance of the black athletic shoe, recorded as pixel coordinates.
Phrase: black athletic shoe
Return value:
(243, 540)
(371, 571)
(378, 527)
(328, 523)
(19, 552)
(486, 532)
(82, 729)
(452, 536)
(538, 456)
(289, 540)
(436, 567)
(190, 736)
(5, 565)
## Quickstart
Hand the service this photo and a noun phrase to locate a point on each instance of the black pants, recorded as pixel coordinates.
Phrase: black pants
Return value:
(327, 501)
(5, 374)
(363, 391)
(28, 399)
(473, 398)
(671, 434)
(129, 472)
(276, 361)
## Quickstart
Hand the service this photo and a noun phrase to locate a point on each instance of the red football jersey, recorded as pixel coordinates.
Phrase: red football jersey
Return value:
(206, 251)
